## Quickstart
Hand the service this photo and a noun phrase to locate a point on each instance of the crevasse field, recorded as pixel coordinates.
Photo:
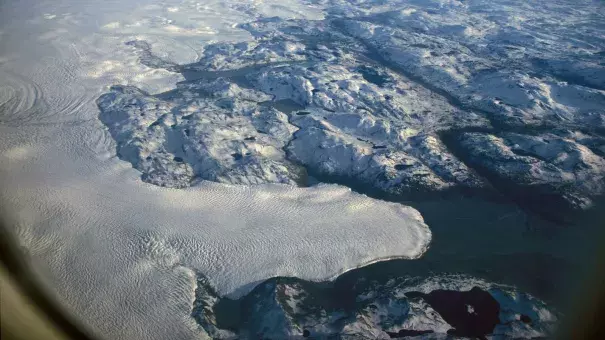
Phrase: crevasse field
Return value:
(189, 170)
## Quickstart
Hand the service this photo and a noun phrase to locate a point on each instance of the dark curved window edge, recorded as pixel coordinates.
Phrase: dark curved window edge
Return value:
(18, 270)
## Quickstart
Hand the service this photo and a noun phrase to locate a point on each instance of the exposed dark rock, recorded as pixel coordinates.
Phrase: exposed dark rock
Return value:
(407, 332)
(373, 76)
(400, 167)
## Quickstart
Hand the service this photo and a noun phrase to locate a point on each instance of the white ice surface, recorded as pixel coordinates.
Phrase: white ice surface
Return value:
(122, 254)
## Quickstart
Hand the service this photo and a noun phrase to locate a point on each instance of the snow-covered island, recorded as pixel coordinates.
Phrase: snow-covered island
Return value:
(436, 307)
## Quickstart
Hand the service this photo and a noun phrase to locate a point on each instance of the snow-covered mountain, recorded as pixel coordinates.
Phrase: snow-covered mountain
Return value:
(425, 97)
